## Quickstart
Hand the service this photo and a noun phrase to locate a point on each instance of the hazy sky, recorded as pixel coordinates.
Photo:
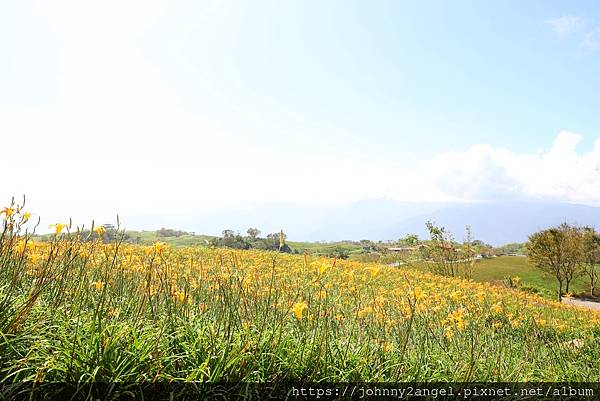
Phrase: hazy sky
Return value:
(138, 107)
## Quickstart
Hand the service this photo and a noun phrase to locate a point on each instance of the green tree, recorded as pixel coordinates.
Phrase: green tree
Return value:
(337, 252)
(448, 257)
(169, 232)
(591, 256)
(231, 239)
(559, 252)
(410, 240)
(228, 233)
(276, 242)
(253, 233)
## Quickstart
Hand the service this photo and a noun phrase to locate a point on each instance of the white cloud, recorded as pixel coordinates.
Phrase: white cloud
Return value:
(88, 188)
(565, 25)
(591, 40)
(483, 173)
(582, 29)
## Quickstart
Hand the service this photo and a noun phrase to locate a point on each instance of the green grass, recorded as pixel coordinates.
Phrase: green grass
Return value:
(494, 270)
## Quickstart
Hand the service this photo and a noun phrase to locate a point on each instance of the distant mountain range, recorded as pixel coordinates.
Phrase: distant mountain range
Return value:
(496, 223)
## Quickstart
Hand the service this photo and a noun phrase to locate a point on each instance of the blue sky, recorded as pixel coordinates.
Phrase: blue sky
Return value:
(396, 74)
(272, 100)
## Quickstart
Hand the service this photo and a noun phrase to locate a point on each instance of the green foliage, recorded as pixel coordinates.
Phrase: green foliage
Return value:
(512, 249)
(409, 239)
(448, 258)
(253, 233)
(338, 252)
(559, 252)
(169, 232)
(273, 242)
(591, 257)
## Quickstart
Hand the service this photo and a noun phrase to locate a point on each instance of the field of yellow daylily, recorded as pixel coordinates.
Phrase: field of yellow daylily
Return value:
(77, 309)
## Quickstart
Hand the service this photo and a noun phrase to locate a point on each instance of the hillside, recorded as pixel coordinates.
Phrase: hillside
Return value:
(169, 313)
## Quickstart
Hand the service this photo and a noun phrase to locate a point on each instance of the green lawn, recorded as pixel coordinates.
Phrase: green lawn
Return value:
(496, 269)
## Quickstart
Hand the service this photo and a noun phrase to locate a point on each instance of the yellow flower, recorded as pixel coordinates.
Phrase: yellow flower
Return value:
(298, 309)
(497, 308)
(457, 318)
(367, 310)
(180, 296)
(7, 211)
(516, 322)
(159, 247)
(98, 285)
(21, 245)
(374, 270)
(58, 227)
(26, 217)
(100, 230)
(456, 295)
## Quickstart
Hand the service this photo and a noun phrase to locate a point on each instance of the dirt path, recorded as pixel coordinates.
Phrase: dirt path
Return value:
(582, 303)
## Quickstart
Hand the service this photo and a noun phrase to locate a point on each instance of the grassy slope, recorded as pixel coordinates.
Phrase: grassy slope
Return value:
(496, 269)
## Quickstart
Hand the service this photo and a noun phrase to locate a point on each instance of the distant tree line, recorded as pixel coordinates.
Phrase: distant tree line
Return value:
(169, 232)
(252, 240)
(108, 233)
(514, 248)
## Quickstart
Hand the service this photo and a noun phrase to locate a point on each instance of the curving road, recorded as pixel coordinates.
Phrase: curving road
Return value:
(582, 303)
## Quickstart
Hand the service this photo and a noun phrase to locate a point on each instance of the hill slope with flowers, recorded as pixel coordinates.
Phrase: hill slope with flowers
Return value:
(78, 310)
